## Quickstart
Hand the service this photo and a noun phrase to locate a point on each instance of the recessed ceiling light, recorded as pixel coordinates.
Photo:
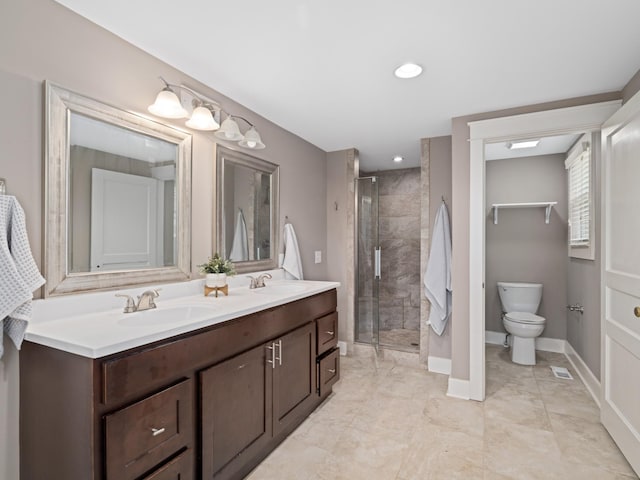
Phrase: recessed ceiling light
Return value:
(398, 158)
(408, 70)
(522, 144)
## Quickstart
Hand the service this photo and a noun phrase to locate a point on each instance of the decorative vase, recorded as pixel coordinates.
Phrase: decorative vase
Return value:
(216, 280)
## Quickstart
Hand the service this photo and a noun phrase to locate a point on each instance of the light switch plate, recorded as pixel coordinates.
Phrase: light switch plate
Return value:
(318, 256)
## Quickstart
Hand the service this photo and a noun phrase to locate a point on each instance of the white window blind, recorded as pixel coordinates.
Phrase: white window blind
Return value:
(579, 198)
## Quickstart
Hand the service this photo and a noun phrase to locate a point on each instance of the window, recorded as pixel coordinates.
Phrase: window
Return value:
(579, 169)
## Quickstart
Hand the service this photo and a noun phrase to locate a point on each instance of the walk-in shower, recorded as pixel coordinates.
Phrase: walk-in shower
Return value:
(388, 259)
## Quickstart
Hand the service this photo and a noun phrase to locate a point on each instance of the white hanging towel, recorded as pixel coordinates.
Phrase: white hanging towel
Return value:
(19, 275)
(437, 277)
(292, 263)
(240, 246)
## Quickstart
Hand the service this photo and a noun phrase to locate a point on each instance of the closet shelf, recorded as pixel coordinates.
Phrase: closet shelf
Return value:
(546, 205)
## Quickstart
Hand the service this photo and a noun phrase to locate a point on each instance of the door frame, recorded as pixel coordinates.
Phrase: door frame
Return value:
(582, 118)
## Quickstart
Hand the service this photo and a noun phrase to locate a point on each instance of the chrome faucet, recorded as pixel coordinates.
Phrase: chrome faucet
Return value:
(258, 282)
(145, 301)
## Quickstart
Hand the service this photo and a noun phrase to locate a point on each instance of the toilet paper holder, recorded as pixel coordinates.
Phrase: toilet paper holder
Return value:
(576, 308)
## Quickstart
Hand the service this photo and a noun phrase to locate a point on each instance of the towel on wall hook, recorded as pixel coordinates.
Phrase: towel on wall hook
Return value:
(19, 275)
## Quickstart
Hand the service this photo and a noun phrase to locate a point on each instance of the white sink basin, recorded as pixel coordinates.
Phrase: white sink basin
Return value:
(280, 289)
(163, 316)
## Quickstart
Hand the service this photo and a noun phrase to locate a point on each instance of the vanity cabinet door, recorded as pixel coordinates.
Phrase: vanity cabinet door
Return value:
(236, 412)
(294, 376)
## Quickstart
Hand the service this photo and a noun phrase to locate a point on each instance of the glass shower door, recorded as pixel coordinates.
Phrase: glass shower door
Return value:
(368, 262)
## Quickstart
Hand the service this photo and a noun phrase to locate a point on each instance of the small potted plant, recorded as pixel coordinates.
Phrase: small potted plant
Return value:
(217, 270)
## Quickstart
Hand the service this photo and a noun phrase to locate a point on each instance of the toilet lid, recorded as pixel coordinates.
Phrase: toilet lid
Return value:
(525, 317)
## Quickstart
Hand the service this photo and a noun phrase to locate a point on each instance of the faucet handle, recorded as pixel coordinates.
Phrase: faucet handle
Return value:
(131, 305)
(254, 281)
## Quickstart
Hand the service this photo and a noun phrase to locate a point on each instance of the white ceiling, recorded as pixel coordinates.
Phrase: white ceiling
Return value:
(97, 135)
(324, 69)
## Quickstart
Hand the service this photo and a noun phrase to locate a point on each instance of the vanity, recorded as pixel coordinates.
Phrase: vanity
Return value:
(208, 397)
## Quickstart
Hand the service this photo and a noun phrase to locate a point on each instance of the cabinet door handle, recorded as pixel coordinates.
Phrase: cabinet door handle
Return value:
(273, 355)
(329, 332)
(157, 431)
(240, 367)
(332, 370)
(279, 357)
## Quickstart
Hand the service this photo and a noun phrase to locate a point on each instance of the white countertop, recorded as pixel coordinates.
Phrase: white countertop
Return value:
(93, 325)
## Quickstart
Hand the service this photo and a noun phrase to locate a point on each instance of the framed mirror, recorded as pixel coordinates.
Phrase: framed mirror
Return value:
(247, 210)
(117, 197)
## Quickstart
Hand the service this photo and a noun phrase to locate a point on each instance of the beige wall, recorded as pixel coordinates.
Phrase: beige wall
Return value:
(460, 219)
(521, 247)
(439, 186)
(43, 40)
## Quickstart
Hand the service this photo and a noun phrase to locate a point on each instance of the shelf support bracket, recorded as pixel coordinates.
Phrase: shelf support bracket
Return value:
(547, 214)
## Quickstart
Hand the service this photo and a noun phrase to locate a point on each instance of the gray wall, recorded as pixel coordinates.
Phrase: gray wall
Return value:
(521, 247)
(583, 331)
(43, 40)
(439, 186)
(399, 237)
(631, 88)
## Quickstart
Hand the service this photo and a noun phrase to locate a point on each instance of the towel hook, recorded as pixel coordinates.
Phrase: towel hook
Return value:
(3, 186)
(286, 219)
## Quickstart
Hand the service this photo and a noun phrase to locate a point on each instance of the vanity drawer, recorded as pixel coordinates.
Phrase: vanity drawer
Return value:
(328, 371)
(142, 435)
(327, 333)
(180, 468)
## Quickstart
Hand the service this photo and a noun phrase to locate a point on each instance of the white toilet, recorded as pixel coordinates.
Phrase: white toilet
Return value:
(520, 302)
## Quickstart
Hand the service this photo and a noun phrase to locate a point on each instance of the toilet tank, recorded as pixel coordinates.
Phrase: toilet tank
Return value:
(520, 297)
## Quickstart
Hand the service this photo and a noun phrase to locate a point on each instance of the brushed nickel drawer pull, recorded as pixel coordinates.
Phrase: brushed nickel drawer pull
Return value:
(329, 332)
(636, 311)
(332, 370)
(279, 357)
(273, 355)
(242, 366)
(157, 431)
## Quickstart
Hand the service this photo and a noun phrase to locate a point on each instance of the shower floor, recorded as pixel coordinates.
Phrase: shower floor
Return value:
(400, 337)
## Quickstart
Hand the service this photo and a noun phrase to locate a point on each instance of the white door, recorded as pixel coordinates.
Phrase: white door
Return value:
(620, 406)
(123, 203)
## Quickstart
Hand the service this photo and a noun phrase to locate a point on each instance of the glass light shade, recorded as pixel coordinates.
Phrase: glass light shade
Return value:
(252, 140)
(229, 130)
(202, 119)
(168, 105)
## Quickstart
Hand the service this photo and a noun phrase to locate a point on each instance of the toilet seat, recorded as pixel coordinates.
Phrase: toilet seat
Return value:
(525, 317)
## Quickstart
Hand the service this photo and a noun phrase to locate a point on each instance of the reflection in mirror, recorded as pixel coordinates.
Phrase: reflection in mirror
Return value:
(122, 183)
(247, 210)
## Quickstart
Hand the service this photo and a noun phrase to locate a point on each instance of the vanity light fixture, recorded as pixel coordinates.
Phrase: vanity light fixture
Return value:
(398, 158)
(205, 116)
(522, 144)
(408, 70)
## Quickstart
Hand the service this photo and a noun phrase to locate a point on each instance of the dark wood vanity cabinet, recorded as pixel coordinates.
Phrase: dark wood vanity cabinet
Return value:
(252, 398)
(210, 404)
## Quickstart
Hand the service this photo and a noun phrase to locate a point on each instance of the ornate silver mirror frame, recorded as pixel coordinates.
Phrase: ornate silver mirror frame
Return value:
(225, 213)
(59, 104)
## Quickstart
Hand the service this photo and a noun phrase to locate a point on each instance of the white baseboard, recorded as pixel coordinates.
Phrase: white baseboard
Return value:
(586, 375)
(494, 338)
(343, 348)
(439, 365)
(458, 388)
(544, 344)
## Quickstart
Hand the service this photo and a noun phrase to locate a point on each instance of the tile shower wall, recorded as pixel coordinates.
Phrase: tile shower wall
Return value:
(399, 212)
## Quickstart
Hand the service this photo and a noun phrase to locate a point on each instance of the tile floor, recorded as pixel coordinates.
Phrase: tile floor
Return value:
(403, 338)
(391, 422)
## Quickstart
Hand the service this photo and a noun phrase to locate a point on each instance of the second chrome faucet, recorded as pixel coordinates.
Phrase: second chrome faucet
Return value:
(259, 281)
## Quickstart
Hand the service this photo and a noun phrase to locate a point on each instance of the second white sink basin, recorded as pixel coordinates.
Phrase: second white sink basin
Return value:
(162, 316)
(280, 289)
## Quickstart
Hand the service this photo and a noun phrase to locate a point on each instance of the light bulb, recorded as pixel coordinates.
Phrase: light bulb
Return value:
(251, 144)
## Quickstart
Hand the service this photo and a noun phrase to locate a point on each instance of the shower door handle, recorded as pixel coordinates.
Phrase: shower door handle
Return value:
(376, 263)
